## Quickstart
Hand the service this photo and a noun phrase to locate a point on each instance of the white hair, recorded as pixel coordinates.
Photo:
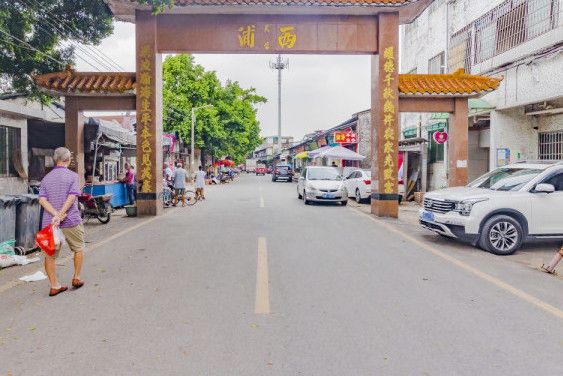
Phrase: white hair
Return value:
(61, 155)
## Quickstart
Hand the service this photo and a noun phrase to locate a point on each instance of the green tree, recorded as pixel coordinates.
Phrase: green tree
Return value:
(32, 32)
(229, 127)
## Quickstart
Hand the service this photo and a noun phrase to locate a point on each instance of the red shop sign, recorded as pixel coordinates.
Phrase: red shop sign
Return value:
(440, 137)
(345, 137)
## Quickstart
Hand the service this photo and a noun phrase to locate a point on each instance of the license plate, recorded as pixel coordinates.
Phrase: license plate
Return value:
(427, 216)
(329, 195)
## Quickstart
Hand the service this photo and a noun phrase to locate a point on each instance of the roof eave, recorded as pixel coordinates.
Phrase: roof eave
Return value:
(124, 10)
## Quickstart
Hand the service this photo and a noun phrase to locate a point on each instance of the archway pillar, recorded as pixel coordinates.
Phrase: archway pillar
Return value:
(458, 141)
(385, 118)
(74, 135)
(149, 115)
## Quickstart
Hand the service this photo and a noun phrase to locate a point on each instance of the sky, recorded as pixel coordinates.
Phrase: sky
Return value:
(318, 91)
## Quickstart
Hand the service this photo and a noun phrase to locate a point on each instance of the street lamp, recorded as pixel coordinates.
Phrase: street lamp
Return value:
(192, 144)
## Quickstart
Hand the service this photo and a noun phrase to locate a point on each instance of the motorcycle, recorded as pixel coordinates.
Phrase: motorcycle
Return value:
(98, 207)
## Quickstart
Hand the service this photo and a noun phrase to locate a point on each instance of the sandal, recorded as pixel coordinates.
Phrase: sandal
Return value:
(76, 283)
(546, 270)
(54, 292)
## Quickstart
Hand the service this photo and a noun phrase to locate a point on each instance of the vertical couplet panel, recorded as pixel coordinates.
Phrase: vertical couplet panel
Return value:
(149, 116)
(385, 118)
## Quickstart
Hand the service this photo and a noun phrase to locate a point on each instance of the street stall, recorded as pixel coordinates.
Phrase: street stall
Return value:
(107, 147)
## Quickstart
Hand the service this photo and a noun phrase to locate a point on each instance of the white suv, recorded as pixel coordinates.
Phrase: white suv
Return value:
(501, 209)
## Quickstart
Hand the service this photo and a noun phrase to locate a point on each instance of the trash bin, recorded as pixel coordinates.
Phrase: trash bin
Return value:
(8, 215)
(28, 221)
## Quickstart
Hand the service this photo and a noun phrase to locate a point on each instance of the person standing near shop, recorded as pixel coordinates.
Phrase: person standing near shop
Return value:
(58, 196)
(180, 184)
(129, 181)
(200, 183)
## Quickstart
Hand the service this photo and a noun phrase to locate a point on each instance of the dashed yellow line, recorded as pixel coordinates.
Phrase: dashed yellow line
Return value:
(262, 302)
(472, 270)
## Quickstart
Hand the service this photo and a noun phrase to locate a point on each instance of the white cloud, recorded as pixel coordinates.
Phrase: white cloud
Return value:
(318, 91)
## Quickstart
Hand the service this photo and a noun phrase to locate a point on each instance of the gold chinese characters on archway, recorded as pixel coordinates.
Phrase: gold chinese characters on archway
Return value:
(145, 119)
(274, 37)
(389, 116)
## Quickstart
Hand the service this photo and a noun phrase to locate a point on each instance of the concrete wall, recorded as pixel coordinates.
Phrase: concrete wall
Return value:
(437, 177)
(514, 130)
(15, 185)
(478, 162)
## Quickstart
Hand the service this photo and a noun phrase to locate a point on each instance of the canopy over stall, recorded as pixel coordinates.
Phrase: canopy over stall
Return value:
(339, 152)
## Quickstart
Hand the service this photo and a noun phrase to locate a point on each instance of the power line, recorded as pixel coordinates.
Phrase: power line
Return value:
(74, 31)
(105, 63)
(30, 47)
(93, 57)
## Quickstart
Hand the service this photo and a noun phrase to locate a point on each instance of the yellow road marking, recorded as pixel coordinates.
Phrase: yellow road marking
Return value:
(64, 260)
(470, 269)
(262, 303)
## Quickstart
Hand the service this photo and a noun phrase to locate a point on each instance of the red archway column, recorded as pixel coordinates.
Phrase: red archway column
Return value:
(74, 135)
(458, 150)
(149, 116)
(385, 118)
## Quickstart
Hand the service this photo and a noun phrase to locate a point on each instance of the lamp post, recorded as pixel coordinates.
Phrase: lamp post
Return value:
(192, 143)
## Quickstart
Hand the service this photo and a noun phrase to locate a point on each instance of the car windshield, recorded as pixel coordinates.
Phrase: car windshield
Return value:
(324, 174)
(506, 179)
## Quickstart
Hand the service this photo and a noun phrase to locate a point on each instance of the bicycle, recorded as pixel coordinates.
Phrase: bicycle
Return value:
(188, 198)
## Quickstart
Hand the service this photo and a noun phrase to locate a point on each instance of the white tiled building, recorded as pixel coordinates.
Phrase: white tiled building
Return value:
(520, 40)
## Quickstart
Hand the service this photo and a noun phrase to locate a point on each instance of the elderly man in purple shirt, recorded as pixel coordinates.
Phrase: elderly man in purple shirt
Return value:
(58, 196)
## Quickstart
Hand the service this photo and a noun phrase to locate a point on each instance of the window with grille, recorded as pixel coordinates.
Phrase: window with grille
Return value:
(436, 64)
(459, 55)
(10, 150)
(551, 145)
(512, 23)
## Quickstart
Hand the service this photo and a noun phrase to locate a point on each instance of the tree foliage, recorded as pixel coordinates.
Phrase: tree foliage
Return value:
(157, 5)
(229, 127)
(41, 26)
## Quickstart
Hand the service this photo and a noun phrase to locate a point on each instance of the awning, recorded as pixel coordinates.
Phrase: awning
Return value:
(302, 155)
(479, 106)
(314, 153)
(339, 152)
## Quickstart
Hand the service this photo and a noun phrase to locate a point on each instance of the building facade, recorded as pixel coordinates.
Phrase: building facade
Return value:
(520, 40)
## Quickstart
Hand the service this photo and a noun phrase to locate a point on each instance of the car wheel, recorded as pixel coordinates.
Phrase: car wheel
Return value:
(344, 203)
(299, 196)
(502, 235)
(358, 196)
(305, 201)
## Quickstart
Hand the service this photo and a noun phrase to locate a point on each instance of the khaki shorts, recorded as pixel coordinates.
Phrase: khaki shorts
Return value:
(74, 237)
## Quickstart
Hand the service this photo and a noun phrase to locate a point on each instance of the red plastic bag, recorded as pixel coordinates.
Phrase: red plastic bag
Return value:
(45, 240)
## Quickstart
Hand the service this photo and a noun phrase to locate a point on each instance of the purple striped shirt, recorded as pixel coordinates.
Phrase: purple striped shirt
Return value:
(56, 186)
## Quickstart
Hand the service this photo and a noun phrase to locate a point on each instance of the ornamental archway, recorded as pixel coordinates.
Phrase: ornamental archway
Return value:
(369, 27)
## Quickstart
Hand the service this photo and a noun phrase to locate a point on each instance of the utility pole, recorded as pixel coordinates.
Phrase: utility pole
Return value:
(279, 65)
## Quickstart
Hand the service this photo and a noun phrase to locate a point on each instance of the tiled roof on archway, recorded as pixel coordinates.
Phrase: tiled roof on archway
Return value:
(457, 84)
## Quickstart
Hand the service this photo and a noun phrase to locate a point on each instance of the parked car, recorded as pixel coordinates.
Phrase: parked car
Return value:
(260, 169)
(321, 184)
(269, 169)
(282, 172)
(358, 185)
(501, 209)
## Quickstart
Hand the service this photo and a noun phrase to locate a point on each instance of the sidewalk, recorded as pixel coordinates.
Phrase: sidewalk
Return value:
(532, 254)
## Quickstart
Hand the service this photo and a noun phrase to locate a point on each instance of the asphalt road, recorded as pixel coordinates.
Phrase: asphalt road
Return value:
(253, 282)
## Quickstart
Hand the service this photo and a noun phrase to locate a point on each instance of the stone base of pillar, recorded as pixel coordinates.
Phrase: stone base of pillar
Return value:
(149, 207)
(385, 208)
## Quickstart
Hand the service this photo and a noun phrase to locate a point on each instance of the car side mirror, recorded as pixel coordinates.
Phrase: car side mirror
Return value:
(544, 188)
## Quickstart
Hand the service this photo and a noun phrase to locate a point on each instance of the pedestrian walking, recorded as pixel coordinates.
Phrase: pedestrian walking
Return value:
(550, 268)
(129, 181)
(200, 184)
(58, 196)
(180, 184)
